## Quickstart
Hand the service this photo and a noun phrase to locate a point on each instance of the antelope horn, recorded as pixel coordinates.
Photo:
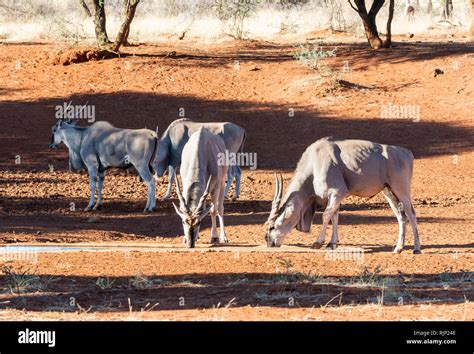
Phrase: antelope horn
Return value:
(277, 189)
(178, 191)
(204, 196)
(277, 197)
(281, 188)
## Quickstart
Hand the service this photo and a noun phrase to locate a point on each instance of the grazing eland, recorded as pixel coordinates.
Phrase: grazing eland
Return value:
(171, 144)
(101, 146)
(330, 170)
(201, 174)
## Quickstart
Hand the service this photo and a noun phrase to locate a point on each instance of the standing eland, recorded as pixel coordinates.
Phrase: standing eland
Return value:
(330, 170)
(171, 144)
(101, 146)
(201, 175)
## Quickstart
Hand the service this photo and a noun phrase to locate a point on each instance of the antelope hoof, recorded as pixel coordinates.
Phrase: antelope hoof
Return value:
(397, 250)
(215, 241)
(166, 197)
(97, 207)
(416, 251)
(88, 208)
(224, 240)
(331, 246)
(317, 245)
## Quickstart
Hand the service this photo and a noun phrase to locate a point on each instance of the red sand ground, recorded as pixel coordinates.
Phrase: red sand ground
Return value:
(254, 84)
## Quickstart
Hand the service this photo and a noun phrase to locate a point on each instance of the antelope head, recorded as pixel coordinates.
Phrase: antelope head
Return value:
(192, 217)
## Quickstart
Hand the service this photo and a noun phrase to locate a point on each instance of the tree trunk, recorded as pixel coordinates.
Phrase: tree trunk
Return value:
(370, 28)
(131, 6)
(368, 20)
(448, 9)
(388, 41)
(100, 21)
(125, 40)
(125, 7)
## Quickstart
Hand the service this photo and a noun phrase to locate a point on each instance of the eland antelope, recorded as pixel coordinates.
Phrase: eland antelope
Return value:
(171, 144)
(100, 146)
(330, 170)
(201, 175)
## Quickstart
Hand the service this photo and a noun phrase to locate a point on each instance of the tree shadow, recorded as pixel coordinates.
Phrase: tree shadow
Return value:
(382, 249)
(359, 55)
(207, 291)
(50, 219)
(277, 139)
(254, 52)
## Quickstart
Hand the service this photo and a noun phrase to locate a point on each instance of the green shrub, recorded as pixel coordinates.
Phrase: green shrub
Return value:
(311, 56)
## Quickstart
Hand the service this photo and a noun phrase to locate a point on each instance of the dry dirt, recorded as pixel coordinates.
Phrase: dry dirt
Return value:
(256, 85)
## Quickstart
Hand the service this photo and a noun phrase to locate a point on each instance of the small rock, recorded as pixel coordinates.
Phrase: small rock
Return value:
(38, 232)
(438, 72)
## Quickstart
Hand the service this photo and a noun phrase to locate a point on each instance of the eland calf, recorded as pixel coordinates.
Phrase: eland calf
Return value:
(330, 170)
(101, 146)
(171, 144)
(201, 175)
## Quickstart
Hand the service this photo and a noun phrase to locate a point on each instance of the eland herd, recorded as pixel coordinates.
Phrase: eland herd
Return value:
(328, 171)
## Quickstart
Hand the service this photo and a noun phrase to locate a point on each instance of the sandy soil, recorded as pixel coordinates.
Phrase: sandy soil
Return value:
(256, 85)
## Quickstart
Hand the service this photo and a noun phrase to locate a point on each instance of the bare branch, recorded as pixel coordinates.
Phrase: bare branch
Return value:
(351, 5)
(86, 8)
(375, 8)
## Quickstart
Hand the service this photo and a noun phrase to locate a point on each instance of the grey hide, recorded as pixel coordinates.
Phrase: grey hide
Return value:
(100, 146)
(201, 174)
(172, 142)
(330, 170)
